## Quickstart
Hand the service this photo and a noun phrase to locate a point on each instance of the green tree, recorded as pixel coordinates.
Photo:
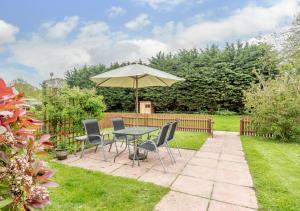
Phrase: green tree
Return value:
(215, 79)
(275, 107)
(29, 90)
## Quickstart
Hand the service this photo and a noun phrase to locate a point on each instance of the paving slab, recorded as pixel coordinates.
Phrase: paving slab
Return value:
(175, 201)
(234, 177)
(206, 162)
(193, 186)
(221, 206)
(130, 172)
(159, 177)
(234, 158)
(199, 172)
(234, 194)
(210, 155)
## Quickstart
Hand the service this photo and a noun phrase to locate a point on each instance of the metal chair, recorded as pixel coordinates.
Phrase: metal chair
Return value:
(152, 145)
(118, 124)
(171, 137)
(94, 137)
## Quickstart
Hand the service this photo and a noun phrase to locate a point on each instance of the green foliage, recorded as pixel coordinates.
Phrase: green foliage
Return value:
(275, 107)
(72, 104)
(62, 144)
(29, 90)
(215, 79)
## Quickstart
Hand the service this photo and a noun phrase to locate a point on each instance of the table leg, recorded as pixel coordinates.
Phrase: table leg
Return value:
(126, 144)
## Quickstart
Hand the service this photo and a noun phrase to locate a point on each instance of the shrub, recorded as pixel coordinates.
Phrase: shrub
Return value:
(275, 107)
(24, 178)
(70, 105)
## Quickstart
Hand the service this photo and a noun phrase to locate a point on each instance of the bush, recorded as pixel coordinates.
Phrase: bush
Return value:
(70, 105)
(24, 178)
(275, 107)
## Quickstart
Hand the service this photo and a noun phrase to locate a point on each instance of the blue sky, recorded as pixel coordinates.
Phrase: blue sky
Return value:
(39, 37)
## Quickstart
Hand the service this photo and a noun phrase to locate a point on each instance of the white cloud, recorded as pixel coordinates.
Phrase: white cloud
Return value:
(168, 30)
(139, 22)
(168, 4)
(116, 11)
(7, 32)
(61, 29)
(243, 23)
(161, 3)
(94, 42)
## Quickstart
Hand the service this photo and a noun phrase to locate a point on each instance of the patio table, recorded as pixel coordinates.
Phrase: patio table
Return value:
(136, 132)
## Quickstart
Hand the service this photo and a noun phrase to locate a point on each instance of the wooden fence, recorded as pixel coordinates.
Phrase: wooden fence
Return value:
(187, 122)
(248, 129)
(66, 129)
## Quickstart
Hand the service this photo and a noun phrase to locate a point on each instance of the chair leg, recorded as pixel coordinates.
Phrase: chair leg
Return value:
(170, 154)
(116, 147)
(82, 149)
(103, 151)
(161, 162)
(178, 149)
(110, 147)
(122, 143)
(96, 148)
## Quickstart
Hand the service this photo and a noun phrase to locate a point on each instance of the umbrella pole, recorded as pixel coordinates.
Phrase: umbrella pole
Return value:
(136, 96)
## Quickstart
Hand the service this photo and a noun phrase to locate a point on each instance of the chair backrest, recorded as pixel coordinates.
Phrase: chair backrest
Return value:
(172, 131)
(162, 135)
(91, 128)
(118, 124)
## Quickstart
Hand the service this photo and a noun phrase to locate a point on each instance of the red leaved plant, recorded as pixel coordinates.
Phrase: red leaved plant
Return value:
(24, 177)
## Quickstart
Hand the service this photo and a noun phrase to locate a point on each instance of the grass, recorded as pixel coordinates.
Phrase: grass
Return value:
(82, 189)
(275, 168)
(226, 123)
(189, 140)
(185, 140)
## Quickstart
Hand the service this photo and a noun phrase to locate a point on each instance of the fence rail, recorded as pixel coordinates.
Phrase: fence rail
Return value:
(66, 129)
(248, 129)
(187, 122)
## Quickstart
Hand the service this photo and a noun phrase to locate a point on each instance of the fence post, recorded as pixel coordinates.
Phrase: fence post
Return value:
(241, 126)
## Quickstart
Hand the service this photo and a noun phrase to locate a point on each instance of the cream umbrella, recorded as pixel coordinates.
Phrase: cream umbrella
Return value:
(135, 76)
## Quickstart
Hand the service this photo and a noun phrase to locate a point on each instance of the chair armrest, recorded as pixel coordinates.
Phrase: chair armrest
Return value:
(150, 141)
(103, 134)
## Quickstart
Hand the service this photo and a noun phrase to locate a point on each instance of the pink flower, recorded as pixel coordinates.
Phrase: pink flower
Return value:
(39, 197)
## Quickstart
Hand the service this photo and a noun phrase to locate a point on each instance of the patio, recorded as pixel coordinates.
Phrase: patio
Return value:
(214, 178)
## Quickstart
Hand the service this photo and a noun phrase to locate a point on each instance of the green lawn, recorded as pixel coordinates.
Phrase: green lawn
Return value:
(226, 123)
(189, 140)
(275, 168)
(87, 190)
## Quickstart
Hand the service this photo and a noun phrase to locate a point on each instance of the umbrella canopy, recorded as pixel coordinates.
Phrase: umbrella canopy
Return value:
(135, 76)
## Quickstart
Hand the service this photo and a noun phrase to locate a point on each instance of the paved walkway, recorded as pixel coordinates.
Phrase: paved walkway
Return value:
(215, 178)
